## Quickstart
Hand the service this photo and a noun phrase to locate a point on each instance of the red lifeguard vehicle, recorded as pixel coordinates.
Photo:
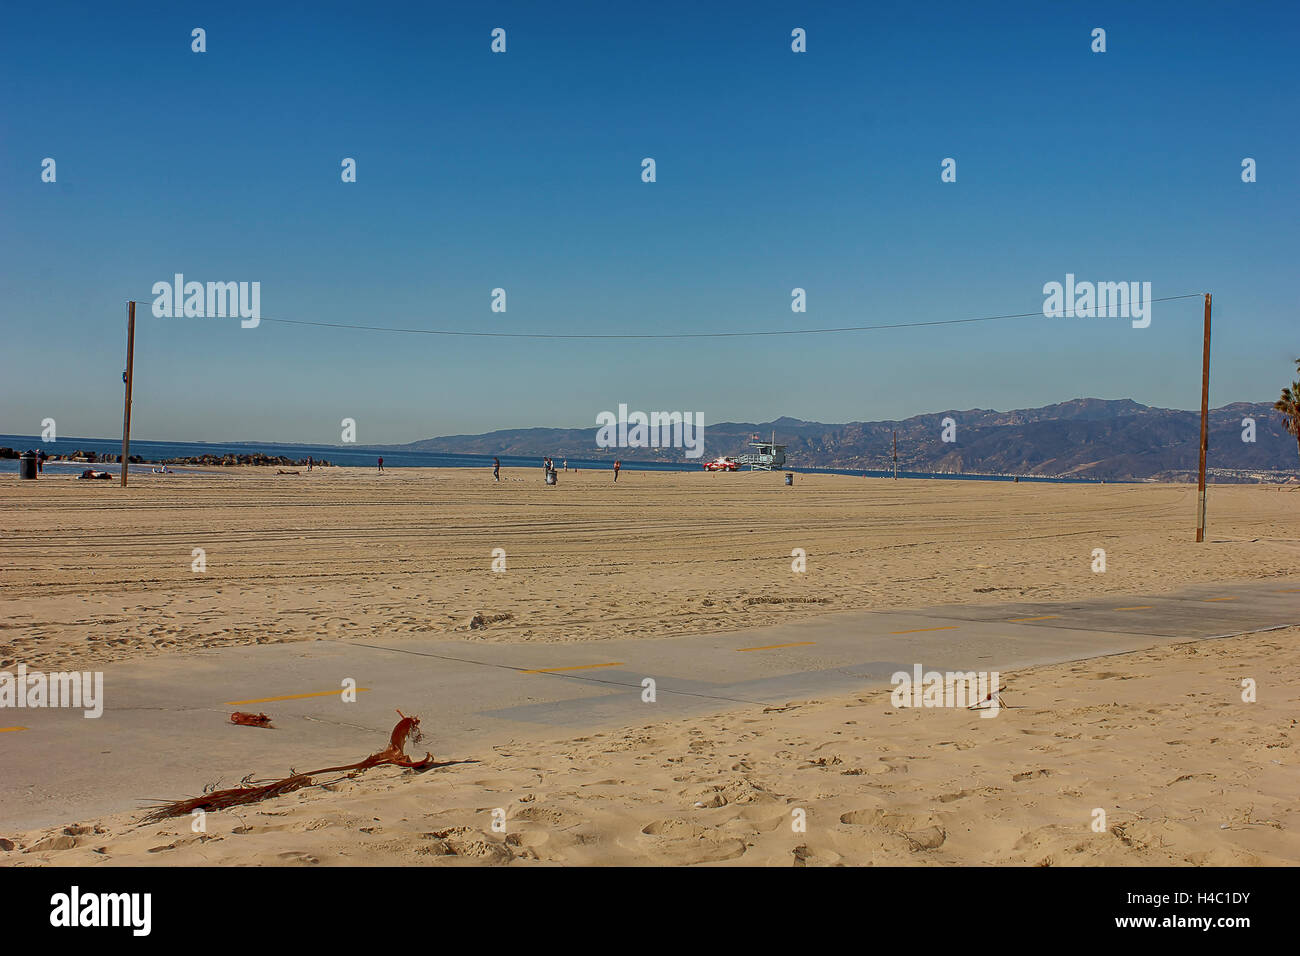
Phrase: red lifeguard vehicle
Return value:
(722, 464)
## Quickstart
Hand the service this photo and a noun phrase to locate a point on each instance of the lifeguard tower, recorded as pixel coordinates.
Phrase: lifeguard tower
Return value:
(769, 456)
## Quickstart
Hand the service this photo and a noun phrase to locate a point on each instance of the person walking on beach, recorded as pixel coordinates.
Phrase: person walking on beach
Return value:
(566, 464)
(309, 462)
(617, 465)
(381, 464)
(496, 468)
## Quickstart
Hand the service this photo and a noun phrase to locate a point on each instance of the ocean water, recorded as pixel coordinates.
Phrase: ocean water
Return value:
(393, 458)
(353, 455)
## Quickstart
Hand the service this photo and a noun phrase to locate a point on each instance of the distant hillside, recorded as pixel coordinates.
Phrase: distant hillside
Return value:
(1085, 438)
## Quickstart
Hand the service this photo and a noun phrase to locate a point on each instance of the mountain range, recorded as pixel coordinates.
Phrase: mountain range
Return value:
(1111, 439)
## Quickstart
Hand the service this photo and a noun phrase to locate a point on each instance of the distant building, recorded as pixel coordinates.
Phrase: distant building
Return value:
(768, 457)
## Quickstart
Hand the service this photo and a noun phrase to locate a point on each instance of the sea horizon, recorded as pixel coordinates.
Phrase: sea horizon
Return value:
(363, 456)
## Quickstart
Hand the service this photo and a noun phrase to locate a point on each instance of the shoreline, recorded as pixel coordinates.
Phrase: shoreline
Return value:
(627, 466)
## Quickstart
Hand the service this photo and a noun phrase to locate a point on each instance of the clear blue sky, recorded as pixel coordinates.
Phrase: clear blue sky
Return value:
(522, 170)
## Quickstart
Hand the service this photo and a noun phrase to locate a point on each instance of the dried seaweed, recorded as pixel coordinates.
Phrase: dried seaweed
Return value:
(250, 720)
(408, 728)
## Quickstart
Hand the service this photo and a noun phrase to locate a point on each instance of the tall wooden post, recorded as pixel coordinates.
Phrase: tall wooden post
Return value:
(126, 411)
(1205, 424)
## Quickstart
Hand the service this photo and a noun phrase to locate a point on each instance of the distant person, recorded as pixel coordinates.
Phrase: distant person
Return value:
(309, 462)
(381, 464)
(496, 468)
(566, 464)
(617, 465)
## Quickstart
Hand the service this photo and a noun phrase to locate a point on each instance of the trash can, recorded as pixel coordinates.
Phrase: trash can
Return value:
(550, 478)
(27, 465)
(789, 478)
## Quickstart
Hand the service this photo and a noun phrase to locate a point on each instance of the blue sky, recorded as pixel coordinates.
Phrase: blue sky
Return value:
(522, 171)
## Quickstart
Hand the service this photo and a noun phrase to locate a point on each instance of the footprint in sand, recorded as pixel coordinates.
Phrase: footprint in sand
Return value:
(1029, 774)
(951, 797)
(1111, 675)
(681, 842)
(531, 839)
(546, 815)
(922, 831)
(295, 857)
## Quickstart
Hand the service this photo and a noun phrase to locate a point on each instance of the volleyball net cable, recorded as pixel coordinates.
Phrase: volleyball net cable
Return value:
(748, 333)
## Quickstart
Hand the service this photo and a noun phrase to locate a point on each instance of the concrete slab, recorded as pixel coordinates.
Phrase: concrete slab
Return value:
(165, 731)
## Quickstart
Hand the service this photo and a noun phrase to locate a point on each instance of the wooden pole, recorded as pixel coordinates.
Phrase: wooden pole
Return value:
(126, 410)
(1205, 424)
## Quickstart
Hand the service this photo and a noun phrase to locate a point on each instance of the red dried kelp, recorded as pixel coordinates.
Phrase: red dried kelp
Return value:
(250, 720)
(408, 728)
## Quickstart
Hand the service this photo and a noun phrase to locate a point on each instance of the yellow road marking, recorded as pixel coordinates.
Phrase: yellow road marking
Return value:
(267, 700)
(918, 630)
(1221, 599)
(583, 667)
(1139, 607)
(1045, 617)
(5, 730)
(772, 647)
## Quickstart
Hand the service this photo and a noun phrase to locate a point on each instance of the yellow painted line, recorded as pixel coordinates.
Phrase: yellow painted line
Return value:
(583, 667)
(6, 730)
(267, 700)
(772, 647)
(918, 630)
(1220, 599)
(1045, 617)
(1139, 607)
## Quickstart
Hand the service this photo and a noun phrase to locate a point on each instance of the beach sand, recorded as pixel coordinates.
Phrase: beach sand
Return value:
(94, 573)
(1158, 739)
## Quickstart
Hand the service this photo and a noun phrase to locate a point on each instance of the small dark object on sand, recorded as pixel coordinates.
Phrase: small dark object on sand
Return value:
(250, 720)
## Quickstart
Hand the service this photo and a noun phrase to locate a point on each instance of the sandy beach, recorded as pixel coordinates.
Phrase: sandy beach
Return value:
(94, 574)
(1160, 740)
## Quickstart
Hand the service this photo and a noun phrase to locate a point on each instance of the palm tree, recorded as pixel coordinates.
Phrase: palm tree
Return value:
(1289, 406)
